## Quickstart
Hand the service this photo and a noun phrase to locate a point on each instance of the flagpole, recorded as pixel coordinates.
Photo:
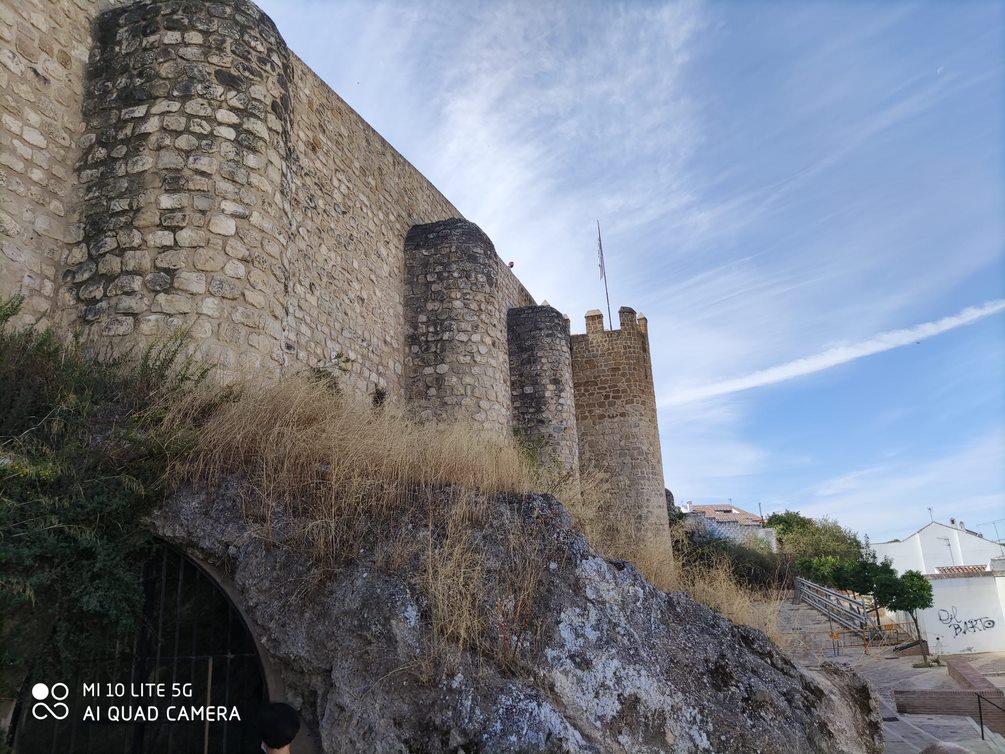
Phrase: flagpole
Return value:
(603, 274)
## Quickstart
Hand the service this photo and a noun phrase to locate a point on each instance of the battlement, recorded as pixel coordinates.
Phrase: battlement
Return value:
(166, 167)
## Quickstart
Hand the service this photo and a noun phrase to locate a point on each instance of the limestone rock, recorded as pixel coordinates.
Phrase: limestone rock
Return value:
(615, 665)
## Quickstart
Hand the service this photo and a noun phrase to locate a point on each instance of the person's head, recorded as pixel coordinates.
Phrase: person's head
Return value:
(278, 724)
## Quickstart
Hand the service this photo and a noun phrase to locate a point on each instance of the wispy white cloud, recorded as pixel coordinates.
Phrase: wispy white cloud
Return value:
(705, 454)
(542, 132)
(769, 183)
(891, 499)
(836, 355)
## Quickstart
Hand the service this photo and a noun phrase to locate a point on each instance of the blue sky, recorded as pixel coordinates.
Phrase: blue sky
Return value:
(806, 200)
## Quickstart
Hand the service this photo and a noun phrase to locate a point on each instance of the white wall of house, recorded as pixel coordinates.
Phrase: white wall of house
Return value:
(966, 615)
(938, 545)
(741, 533)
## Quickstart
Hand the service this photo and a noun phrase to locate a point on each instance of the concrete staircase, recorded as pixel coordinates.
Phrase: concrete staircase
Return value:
(911, 734)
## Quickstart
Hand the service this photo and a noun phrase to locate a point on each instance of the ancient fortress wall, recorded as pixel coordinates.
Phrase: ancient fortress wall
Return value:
(222, 186)
(170, 163)
(43, 57)
(616, 410)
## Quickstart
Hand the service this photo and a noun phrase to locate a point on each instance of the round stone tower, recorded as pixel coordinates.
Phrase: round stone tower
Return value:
(540, 363)
(456, 363)
(184, 178)
(616, 411)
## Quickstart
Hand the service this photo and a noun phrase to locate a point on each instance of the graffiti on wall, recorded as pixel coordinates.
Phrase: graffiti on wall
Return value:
(950, 619)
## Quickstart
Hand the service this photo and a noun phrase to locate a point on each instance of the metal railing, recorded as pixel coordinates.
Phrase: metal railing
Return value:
(842, 609)
(980, 709)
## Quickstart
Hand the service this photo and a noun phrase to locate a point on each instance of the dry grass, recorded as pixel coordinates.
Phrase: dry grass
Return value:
(602, 512)
(452, 577)
(347, 478)
(475, 603)
(350, 472)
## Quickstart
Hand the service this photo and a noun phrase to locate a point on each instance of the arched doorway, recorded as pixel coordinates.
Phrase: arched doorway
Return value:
(193, 653)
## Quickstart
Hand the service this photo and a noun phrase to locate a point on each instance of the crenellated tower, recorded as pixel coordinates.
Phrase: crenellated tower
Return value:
(616, 415)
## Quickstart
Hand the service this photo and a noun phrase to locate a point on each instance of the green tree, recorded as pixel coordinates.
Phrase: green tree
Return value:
(862, 575)
(822, 537)
(802, 537)
(874, 578)
(787, 522)
(908, 594)
(819, 569)
(844, 573)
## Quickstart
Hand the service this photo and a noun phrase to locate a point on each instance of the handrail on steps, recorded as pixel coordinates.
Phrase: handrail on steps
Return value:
(815, 587)
(849, 612)
(980, 710)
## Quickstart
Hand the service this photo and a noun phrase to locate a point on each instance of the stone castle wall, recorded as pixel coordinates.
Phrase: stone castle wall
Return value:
(355, 199)
(616, 411)
(44, 48)
(170, 163)
(219, 184)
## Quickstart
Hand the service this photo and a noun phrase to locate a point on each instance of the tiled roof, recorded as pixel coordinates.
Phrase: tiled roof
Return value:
(960, 570)
(724, 513)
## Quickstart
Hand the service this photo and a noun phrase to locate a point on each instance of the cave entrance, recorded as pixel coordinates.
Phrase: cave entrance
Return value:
(193, 641)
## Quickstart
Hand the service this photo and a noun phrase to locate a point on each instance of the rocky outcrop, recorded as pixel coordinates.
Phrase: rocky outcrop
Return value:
(611, 664)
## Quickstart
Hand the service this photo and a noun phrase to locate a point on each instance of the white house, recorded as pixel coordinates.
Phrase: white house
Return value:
(968, 610)
(967, 573)
(938, 545)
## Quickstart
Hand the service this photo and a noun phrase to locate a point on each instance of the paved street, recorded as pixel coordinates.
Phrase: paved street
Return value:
(809, 643)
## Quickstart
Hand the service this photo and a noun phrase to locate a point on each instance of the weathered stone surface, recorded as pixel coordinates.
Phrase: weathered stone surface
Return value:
(118, 326)
(616, 415)
(222, 225)
(540, 365)
(617, 666)
(457, 299)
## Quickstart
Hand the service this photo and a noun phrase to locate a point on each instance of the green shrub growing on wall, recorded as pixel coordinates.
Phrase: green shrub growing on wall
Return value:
(80, 465)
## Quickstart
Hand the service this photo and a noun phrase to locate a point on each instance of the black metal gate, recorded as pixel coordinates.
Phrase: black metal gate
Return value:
(193, 645)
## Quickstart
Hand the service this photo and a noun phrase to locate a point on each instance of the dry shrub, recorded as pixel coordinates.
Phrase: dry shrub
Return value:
(477, 603)
(348, 478)
(514, 623)
(347, 471)
(716, 586)
(453, 579)
(605, 515)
